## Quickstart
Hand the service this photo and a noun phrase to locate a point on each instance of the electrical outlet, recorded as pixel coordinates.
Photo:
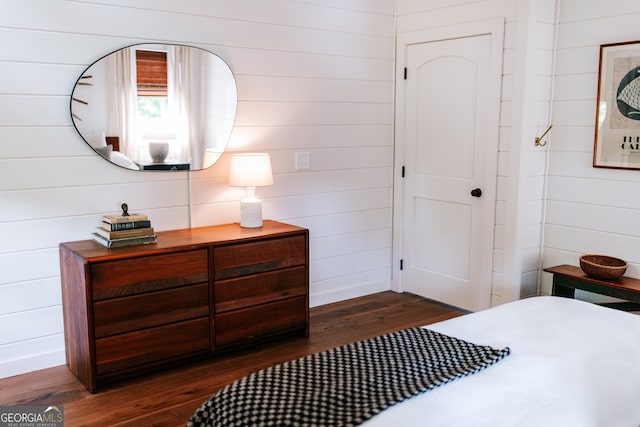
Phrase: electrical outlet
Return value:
(302, 160)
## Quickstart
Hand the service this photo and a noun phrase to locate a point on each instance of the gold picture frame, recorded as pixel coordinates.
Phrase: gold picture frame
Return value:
(617, 135)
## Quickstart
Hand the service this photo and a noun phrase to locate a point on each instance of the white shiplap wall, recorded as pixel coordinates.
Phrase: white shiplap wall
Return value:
(314, 76)
(530, 117)
(590, 210)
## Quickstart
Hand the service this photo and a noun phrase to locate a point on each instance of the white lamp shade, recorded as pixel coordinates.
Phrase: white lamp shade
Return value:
(250, 170)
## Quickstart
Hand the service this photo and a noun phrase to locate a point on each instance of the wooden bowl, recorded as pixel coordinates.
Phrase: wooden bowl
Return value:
(603, 267)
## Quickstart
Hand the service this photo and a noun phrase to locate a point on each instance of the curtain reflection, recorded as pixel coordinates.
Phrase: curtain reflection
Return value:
(123, 108)
(184, 101)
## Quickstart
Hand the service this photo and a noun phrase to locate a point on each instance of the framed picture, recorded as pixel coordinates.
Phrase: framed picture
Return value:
(617, 139)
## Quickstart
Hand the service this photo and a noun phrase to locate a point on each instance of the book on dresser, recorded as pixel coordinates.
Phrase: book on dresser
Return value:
(125, 225)
(124, 218)
(124, 229)
(124, 241)
(119, 234)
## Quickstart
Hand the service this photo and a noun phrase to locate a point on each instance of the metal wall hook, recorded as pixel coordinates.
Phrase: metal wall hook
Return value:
(537, 142)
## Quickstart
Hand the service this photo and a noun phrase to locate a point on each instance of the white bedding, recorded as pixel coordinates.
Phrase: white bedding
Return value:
(572, 364)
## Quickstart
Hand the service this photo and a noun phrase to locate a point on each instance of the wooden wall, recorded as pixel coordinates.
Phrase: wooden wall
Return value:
(313, 76)
(552, 204)
(524, 111)
(589, 210)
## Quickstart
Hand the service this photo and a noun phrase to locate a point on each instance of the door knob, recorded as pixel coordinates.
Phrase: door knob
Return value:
(476, 192)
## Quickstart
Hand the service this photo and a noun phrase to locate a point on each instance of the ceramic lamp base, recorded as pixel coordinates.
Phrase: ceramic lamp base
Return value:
(251, 213)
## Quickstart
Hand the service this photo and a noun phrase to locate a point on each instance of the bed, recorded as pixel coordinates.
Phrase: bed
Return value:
(569, 363)
(109, 148)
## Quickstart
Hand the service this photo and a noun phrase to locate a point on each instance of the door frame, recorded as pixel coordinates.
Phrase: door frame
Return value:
(495, 29)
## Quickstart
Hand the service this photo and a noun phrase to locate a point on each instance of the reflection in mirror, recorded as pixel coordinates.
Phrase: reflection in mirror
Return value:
(156, 107)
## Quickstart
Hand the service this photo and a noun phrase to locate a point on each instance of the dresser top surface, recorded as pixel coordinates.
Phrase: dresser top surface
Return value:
(183, 239)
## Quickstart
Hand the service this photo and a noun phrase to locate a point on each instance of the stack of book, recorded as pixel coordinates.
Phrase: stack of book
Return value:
(124, 230)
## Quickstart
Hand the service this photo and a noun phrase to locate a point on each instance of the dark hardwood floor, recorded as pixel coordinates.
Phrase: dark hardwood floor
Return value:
(169, 398)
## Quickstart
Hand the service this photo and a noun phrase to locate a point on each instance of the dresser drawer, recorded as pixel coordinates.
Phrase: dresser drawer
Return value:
(264, 255)
(132, 276)
(162, 343)
(249, 324)
(126, 314)
(247, 291)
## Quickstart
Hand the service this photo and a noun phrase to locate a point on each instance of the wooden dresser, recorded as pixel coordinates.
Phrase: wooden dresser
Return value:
(193, 293)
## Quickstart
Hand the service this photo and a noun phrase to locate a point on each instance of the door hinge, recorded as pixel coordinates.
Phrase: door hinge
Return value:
(403, 171)
(405, 73)
(401, 264)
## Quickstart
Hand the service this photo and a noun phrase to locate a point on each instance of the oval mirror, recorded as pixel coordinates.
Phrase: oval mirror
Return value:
(156, 107)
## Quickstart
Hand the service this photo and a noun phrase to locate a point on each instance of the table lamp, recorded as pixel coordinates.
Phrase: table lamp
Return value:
(250, 170)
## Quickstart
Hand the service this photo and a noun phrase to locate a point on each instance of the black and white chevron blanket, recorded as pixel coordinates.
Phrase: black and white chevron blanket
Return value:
(346, 385)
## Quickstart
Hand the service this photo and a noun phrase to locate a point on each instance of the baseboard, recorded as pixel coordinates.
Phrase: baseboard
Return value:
(36, 362)
(368, 288)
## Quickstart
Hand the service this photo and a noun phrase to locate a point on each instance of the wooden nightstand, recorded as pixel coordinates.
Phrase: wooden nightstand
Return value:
(568, 278)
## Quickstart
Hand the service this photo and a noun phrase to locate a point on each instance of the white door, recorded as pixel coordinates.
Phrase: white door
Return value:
(449, 139)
